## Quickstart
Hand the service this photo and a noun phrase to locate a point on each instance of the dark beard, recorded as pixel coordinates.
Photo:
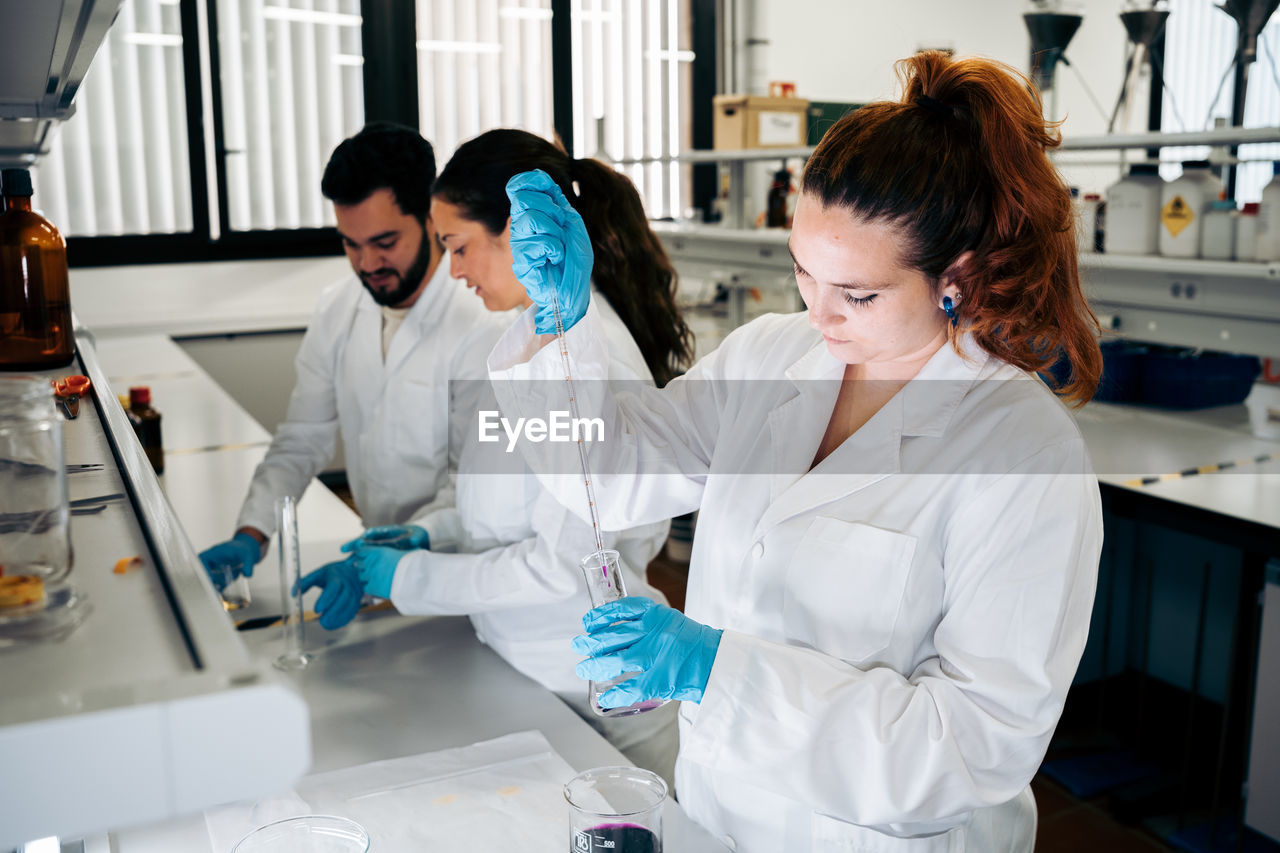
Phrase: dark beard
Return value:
(408, 282)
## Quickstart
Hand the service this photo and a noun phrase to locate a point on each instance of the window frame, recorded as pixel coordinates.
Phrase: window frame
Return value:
(388, 37)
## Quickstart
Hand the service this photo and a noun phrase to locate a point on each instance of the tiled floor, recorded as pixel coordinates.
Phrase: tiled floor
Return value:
(1068, 825)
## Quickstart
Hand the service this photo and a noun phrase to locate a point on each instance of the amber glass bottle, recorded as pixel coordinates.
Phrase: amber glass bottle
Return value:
(35, 300)
(146, 423)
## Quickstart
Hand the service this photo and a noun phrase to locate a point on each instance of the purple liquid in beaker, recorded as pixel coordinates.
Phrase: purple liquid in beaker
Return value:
(616, 838)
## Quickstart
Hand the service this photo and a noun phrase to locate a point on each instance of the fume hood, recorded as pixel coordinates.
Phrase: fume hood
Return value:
(45, 51)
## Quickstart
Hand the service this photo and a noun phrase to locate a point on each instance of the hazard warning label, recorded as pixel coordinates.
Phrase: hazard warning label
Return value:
(1176, 215)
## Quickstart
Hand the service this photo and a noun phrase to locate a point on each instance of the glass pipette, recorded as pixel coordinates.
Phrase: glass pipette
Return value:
(582, 450)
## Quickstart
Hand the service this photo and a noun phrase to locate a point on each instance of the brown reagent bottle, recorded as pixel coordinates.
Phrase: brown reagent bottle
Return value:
(35, 299)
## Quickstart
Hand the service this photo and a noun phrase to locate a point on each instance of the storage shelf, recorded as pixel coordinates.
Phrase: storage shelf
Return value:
(1218, 136)
(1182, 266)
(777, 237)
(721, 156)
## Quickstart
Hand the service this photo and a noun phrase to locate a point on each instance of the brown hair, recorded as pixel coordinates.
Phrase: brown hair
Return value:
(960, 163)
(631, 268)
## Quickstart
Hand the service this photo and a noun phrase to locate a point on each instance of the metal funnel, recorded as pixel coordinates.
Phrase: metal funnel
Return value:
(1251, 16)
(1145, 27)
(1050, 32)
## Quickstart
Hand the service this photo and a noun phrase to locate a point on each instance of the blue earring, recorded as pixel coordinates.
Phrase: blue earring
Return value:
(949, 308)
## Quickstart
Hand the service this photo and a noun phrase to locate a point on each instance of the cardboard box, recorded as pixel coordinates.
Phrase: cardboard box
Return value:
(756, 121)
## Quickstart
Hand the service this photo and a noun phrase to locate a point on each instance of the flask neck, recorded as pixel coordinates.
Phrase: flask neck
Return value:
(17, 202)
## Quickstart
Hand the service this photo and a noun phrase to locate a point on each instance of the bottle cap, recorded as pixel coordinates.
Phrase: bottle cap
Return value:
(1195, 164)
(1223, 204)
(1250, 208)
(1144, 169)
(140, 395)
(17, 182)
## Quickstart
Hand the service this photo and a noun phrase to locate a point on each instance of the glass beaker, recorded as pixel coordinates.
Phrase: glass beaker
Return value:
(605, 584)
(233, 588)
(306, 834)
(35, 536)
(294, 656)
(618, 809)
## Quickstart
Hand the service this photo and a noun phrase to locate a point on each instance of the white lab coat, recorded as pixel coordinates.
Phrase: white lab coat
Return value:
(517, 574)
(901, 624)
(394, 415)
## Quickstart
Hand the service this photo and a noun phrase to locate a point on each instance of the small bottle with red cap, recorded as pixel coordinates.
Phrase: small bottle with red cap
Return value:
(146, 423)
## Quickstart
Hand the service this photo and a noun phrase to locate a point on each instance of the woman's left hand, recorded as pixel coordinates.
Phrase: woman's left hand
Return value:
(673, 653)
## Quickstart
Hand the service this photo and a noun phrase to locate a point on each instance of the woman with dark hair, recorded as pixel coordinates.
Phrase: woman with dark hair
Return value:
(516, 571)
(899, 527)
(631, 269)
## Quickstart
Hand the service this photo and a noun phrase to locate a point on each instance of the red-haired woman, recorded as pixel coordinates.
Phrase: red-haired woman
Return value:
(899, 526)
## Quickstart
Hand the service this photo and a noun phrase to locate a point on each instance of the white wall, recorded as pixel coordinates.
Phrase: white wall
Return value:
(844, 50)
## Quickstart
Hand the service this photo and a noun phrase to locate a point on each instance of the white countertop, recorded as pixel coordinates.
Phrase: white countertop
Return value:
(202, 299)
(1130, 443)
(211, 447)
(384, 686)
(387, 686)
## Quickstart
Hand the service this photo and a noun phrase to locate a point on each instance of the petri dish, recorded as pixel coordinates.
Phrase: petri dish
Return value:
(306, 834)
(52, 618)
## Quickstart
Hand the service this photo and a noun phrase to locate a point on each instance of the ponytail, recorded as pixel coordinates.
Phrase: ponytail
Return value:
(631, 269)
(960, 163)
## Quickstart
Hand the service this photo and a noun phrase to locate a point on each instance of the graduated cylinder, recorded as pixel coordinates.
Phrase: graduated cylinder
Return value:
(605, 584)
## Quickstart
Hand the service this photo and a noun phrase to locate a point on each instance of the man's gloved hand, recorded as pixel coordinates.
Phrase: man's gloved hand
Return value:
(550, 249)
(377, 567)
(672, 652)
(414, 537)
(228, 560)
(343, 592)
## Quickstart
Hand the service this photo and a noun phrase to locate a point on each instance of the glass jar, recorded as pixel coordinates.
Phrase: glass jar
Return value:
(34, 516)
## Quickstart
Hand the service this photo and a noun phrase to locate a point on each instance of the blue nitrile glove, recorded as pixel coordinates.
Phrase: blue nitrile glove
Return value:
(417, 538)
(672, 652)
(377, 567)
(550, 249)
(228, 560)
(343, 592)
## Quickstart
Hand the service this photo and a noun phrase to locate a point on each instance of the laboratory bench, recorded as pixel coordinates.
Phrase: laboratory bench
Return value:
(155, 707)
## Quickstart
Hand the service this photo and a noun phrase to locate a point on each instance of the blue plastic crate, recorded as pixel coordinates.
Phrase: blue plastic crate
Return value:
(1186, 379)
(1121, 372)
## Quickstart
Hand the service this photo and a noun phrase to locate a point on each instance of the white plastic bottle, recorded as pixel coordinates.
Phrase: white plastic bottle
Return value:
(1087, 223)
(1133, 211)
(1269, 218)
(1218, 236)
(1247, 233)
(1182, 207)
